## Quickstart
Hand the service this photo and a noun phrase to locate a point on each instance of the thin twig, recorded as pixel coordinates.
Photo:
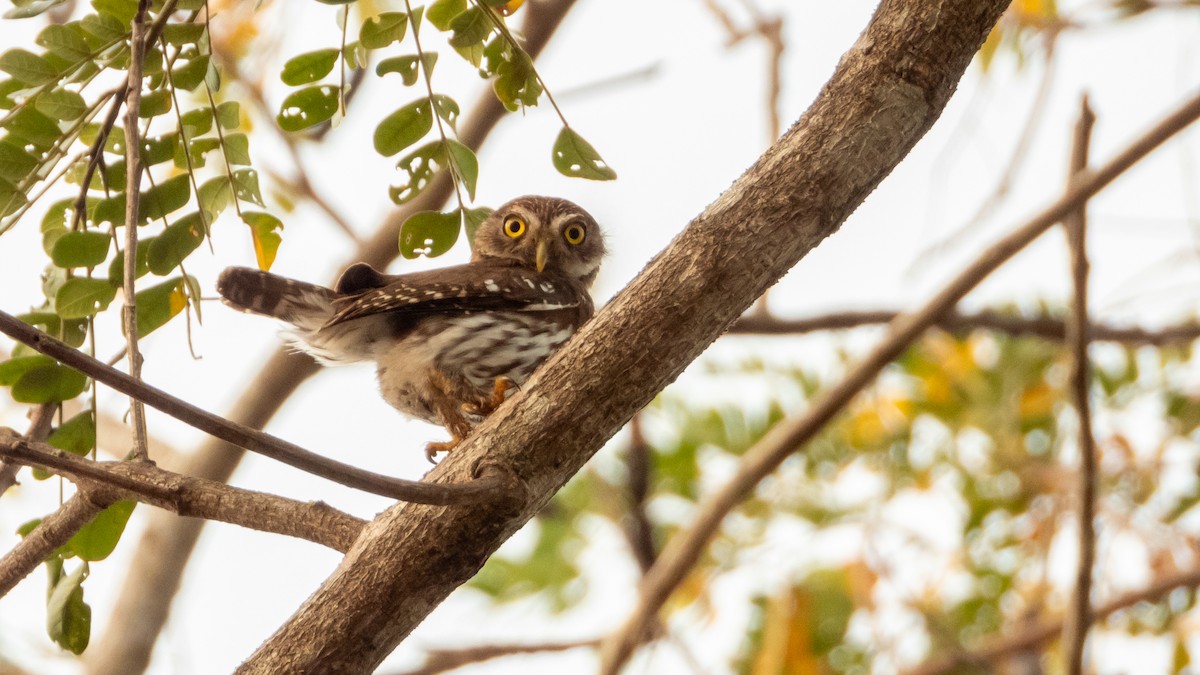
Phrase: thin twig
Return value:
(41, 419)
(1045, 631)
(481, 489)
(1046, 326)
(1079, 617)
(442, 660)
(133, 182)
(788, 436)
(194, 497)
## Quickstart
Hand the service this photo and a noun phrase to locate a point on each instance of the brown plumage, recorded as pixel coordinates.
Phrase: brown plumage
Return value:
(447, 342)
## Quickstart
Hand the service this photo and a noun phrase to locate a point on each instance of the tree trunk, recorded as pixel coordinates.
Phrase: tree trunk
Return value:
(886, 93)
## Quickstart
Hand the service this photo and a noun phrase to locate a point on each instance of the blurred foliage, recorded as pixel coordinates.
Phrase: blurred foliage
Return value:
(972, 433)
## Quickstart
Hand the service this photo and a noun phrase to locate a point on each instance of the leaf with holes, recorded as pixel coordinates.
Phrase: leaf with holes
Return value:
(447, 109)
(307, 107)
(407, 66)
(80, 249)
(158, 304)
(381, 31)
(471, 29)
(264, 231)
(81, 297)
(417, 169)
(308, 67)
(245, 185)
(576, 158)
(403, 127)
(49, 384)
(429, 233)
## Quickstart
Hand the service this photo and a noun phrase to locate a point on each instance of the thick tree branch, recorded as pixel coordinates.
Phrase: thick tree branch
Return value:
(790, 435)
(1076, 628)
(1045, 631)
(1046, 326)
(262, 443)
(154, 575)
(194, 497)
(886, 93)
(54, 531)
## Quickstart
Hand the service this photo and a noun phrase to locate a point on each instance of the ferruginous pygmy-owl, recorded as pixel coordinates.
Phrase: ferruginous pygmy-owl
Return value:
(447, 342)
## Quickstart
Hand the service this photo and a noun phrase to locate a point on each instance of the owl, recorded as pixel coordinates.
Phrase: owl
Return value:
(447, 343)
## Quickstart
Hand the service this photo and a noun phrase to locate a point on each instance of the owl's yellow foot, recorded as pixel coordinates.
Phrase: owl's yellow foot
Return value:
(499, 393)
(433, 449)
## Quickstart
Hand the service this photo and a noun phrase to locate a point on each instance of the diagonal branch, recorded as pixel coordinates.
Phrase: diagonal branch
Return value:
(262, 443)
(193, 497)
(1076, 628)
(54, 531)
(888, 90)
(790, 435)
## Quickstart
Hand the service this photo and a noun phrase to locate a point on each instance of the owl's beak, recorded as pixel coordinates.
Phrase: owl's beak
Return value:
(543, 254)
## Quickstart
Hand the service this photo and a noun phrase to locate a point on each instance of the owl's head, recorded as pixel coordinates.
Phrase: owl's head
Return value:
(543, 233)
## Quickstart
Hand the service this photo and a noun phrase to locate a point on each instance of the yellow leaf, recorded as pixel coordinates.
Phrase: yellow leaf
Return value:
(509, 7)
(1036, 401)
(177, 300)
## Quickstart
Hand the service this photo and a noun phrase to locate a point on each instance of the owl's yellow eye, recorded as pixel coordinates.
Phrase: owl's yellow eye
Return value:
(574, 234)
(514, 226)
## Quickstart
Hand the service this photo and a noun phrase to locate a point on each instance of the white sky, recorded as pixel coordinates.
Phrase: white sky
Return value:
(677, 139)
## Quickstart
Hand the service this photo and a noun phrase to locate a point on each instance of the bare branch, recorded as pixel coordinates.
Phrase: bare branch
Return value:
(787, 437)
(442, 660)
(1045, 631)
(194, 497)
(1045, 326)
(862, 124)
(41, 419)
(1076, 628)
(133, 184)
(245, 437)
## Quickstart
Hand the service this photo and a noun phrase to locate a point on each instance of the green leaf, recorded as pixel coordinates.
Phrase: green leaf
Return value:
(403, 127)
(472, 219)
(12, 369)
(80, 297)
(516, 82)
(245, 184)
(76, 436)
(158, 304)
(32, 9)
(417, 169)
(307, 107)
(214, 196)
(71, 332)
(263, 230)
(34, 128)
(229, 115)
(167, 196)
(179, 34)
(576, 158)
(447, 109)
(335, 2)
(121, 10)
(442, 12)
(65, 40)
(116, 269)
(104, 28)
(68, 617)
(15, 162)
(199, 120)
(465, 163)
(62, 104)
(429, 233)
(49, 384)
(80, 249)
(27, 67)
(11, 199)
(237, 149)
(406, 66)
(97, 540)
(381, 31)
(175, 244)
(154, 104)
(471, 28)
(308, 67)
(188, 76)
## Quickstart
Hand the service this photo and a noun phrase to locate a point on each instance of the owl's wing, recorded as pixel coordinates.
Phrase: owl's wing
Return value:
(459, 289)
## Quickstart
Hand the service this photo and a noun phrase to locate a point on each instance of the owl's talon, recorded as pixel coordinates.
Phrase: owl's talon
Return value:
(500, 389)
(432, 449)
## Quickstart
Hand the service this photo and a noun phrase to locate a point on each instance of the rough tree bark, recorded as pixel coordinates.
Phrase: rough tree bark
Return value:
(163, 550)
(886, 93)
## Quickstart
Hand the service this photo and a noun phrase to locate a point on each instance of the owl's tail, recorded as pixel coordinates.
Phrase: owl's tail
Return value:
(303, 306)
